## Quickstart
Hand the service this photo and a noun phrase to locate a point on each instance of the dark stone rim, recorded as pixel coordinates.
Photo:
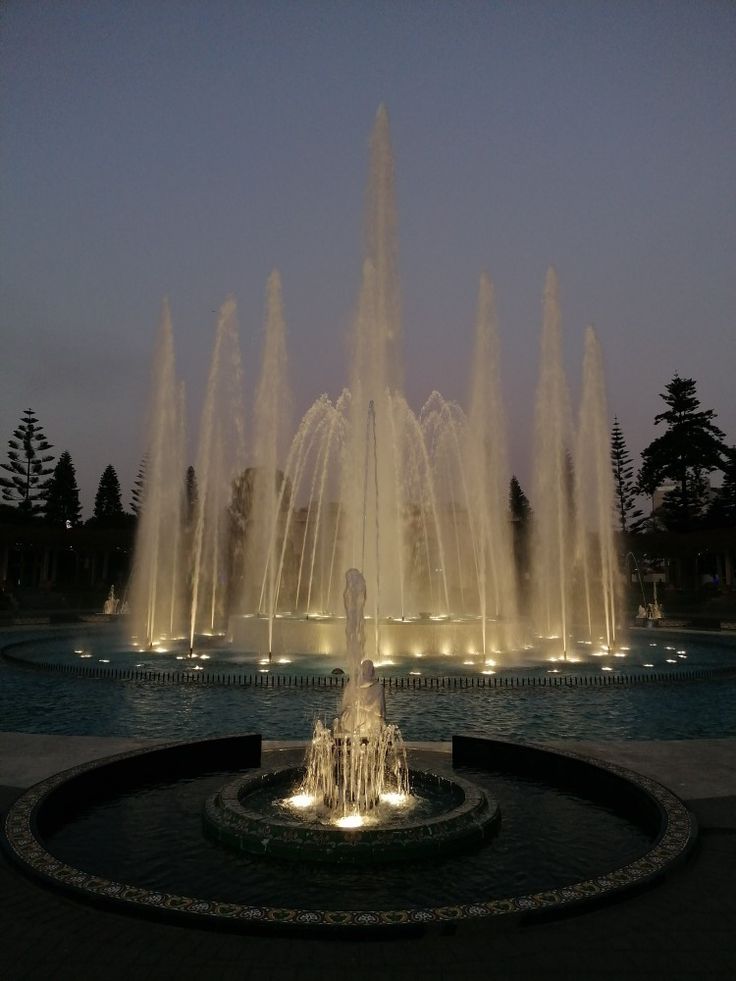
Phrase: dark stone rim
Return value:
(228, 820)
(677, 834)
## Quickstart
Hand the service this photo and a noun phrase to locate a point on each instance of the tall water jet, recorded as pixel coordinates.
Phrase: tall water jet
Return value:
(489, 473)
(376, 377)
(595, 551)
(157, 587)
(552, 550)
(271, 422)
(220, 458)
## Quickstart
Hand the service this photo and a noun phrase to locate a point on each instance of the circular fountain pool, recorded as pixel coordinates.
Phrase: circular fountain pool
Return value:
(128, 830)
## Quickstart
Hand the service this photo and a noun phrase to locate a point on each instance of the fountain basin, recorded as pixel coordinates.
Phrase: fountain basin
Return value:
(127, 831)
(247, 815)
(326, 635)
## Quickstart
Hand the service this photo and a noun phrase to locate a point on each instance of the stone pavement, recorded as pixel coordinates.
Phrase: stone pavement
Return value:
(683, 928)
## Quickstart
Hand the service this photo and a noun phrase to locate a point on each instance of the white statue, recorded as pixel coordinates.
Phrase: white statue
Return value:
(364, 703)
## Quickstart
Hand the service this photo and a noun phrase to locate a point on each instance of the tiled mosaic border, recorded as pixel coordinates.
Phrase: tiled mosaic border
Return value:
(677, 836)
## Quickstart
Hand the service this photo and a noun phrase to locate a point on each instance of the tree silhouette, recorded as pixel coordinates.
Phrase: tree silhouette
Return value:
(691, 447)
(108, 504)
(624, 486)
(521, 519)
(136, 494)
(27, 459)
(722, 510)
(62, 494)
(191, 494)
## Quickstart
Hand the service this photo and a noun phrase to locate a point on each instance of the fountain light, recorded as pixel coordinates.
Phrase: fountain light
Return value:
(488, 672)
(606, 668)
(683, 656)
(490, 662)
(648, 665)
(682, 653)
(104, 660)
(619, 654)
(469, 662)
(284, 660)
(202, 657)
(300, 801)
(672, 660)
(197, 667)
(415, 672)
(260, 670)
(350, 821)
(385, 663)
(85, 655)
(264, 660)
(79, 651)
(394, 799)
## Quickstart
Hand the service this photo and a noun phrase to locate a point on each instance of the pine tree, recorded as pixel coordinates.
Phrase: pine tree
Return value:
(26, 465)
(624, 487)
(136, 494)
(519, 506)
(521, 517)
(691, 447)
(722, 510)
(108, 504)
(62, 494)
(728, 488)
(191, 494)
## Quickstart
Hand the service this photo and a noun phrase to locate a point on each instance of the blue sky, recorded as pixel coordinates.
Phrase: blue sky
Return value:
(187, 148)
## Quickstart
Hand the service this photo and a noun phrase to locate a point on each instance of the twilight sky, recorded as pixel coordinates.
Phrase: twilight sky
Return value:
(187, 148)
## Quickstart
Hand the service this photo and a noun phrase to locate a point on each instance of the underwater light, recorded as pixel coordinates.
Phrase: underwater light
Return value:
(300, 800)
(350, 821)
(394, 799)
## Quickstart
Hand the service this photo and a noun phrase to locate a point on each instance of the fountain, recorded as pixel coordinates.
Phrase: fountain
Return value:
(355, 800)
(417, 501)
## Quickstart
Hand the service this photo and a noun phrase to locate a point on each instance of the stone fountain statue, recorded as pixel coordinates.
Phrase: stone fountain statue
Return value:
(350, 765)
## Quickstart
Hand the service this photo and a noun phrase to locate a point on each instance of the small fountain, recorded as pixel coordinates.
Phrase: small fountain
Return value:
(361, 760)
(355, 800)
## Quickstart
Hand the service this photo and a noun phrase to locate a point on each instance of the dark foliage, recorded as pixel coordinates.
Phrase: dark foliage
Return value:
(62, 494)
(27, 465)
(691, 447)
(628, 515)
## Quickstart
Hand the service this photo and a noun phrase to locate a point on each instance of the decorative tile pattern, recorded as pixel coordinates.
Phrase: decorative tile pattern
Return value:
(678, 833)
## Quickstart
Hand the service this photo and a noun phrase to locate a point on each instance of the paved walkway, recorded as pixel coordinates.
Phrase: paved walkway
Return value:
(684, 928)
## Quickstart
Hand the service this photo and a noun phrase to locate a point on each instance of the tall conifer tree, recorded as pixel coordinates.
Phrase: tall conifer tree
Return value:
(628, 514)
(62, 494)
(27, 466)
